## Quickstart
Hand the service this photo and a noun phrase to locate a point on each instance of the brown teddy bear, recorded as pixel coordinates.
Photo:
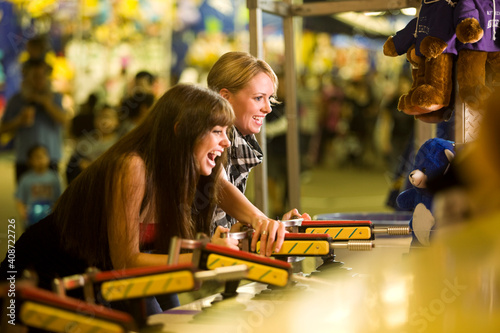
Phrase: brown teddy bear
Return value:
(433, 39)
(476, 27)
(417, 73)
(405, 103)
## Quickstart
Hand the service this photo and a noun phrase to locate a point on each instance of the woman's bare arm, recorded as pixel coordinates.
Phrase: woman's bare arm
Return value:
(234, 203)
(123, 229)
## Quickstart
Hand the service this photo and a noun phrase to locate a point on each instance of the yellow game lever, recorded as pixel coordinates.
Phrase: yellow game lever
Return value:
(145, 281)
(135, 284)
(42, 309)
(260, 269)
(208, 256)
(307, 245)
(351, 229)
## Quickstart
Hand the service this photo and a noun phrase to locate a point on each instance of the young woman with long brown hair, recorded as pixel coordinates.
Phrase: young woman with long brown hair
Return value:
(165, 171)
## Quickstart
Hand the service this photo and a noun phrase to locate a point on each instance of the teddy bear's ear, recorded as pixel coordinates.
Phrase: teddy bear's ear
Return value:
(449, 155)
(390, 48)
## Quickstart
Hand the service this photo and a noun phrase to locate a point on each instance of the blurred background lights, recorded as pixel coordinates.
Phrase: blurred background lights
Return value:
(411, 11)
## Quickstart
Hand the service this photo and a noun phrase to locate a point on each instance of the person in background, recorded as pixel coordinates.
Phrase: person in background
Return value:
(35, 116)
(93, 144)
(250, 85)
(397, 141)
(332, 98)
(38, 189)
(38, 48)
(83, 122)
(133, 110)
(144, 82)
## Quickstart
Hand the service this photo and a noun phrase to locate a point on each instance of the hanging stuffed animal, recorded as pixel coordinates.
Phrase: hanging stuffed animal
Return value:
(418, 76)
(432, 160)
(476, 30)
(432, 34)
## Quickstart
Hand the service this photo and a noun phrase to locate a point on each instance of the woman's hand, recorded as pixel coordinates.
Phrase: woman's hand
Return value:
(227, 242)
(271, 234)
(294, 213)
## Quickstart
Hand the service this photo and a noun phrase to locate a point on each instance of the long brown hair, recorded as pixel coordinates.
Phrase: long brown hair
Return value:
(179, 199)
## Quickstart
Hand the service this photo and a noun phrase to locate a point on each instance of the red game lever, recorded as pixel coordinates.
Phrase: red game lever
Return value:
(34, 307)
(350, 229)
(210, 256)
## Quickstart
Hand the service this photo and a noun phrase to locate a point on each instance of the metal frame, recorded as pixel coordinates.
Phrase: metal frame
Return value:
(466, 120)
(288, 11)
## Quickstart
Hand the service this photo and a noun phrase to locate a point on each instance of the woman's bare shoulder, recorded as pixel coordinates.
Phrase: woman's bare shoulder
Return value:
(134, 166)
(135, 160)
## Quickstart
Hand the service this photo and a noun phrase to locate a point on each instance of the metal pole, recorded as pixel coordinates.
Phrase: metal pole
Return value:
(292, 137)
(256, 47)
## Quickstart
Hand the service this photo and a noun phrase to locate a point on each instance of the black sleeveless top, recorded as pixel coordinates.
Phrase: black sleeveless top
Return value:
(40, 249)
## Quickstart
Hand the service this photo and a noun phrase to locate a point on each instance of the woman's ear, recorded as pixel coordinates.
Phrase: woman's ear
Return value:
(224, 92)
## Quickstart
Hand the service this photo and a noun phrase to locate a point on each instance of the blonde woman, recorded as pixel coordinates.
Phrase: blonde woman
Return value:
(250, 85)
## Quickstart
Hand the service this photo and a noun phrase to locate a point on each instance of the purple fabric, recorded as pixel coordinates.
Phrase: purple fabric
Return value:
(404, 38)
(482, 11)
(436, 20)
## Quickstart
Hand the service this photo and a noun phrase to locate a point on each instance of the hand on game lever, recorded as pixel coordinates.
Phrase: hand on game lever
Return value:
(271, 234)
(294, 213)
(224, 241)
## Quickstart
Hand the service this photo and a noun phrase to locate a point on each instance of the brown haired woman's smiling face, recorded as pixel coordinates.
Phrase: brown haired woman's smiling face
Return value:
(209, 148)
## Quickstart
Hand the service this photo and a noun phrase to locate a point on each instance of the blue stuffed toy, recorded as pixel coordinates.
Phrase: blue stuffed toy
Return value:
(432, 161)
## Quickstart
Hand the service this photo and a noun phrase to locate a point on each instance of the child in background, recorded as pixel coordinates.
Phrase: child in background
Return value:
(38, 189)
(94, 144)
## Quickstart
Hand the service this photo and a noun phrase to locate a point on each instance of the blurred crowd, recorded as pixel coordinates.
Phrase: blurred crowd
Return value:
(39, 129)
(344, 121)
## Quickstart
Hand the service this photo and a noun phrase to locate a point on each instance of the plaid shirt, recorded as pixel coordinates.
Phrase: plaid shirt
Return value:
(243, 155)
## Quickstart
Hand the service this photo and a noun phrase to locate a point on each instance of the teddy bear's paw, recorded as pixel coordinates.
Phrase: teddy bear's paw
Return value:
(474, 96)
(415, 110)
(431, 47)
(402, 103)
(428, 98)
(389, 48)
(469, 31)
(414, 59)
(423, 221)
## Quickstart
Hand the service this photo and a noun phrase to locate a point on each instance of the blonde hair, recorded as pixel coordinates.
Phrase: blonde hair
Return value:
(234, 70)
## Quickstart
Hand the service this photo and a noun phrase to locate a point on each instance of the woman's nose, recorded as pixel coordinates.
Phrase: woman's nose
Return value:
(225, 142)
(267, 107)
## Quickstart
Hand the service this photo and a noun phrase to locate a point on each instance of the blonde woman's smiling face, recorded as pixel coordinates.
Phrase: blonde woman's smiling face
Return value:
(252, 103)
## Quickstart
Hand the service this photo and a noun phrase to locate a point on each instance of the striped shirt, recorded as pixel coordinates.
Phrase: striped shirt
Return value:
(243, 155)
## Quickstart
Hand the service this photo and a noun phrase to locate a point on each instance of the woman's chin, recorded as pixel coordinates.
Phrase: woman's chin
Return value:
(206, 171)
